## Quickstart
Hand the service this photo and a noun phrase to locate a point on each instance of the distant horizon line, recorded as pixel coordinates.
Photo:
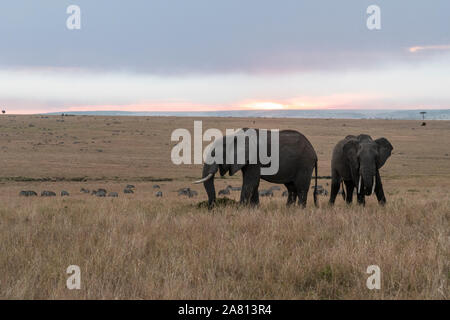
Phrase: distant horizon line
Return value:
(241, 111)
(355, 114)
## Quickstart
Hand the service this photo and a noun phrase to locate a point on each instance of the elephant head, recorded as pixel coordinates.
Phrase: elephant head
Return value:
(226, 155)
(365, 157)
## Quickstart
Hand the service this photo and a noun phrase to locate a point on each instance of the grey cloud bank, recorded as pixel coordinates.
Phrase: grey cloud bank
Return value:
(200, 36)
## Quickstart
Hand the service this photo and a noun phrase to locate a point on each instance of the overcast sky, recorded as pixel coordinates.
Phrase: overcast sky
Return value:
(234, 54)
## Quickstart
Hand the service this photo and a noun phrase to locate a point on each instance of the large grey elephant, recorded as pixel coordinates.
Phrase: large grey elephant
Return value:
(296, 162)
(356, 161)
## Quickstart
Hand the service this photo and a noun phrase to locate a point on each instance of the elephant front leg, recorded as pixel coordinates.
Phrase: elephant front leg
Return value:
(361, 199)
(251, 176)
(335, 184)
(379, 190)
(349, 186)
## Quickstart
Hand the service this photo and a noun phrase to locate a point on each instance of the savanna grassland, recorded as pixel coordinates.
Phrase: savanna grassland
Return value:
(138, 246)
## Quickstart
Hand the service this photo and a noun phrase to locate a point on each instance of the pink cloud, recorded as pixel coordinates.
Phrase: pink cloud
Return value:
(434, 47)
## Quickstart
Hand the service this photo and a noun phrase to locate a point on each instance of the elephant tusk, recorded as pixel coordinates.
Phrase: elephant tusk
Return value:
(359, 185)
(204, 179)
(374, 184)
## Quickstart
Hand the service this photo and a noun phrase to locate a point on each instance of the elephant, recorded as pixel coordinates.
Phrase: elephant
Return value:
(296, 162)
(357, 161)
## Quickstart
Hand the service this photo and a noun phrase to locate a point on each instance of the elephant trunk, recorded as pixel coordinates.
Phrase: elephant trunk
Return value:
(367, 182)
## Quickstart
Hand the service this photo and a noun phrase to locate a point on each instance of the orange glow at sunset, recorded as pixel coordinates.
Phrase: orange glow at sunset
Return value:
(265, 106)
(334, 101)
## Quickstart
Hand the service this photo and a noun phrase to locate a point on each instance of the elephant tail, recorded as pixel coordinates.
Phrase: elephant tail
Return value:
(315, 186)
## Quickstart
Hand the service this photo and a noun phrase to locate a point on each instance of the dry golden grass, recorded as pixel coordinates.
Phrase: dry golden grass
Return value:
(143, 247)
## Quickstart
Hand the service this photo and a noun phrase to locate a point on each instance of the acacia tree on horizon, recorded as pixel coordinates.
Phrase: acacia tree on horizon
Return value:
(423, 115)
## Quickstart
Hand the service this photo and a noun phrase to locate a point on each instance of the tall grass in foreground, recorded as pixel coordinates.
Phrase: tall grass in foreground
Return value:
(152, 249)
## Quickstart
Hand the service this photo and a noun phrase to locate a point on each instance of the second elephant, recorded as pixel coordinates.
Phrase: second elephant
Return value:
(356, 161)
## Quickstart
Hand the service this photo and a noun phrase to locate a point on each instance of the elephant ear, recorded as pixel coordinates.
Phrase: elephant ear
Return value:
(244, 143)
(231, 165)
(351, 151)
(384, 150)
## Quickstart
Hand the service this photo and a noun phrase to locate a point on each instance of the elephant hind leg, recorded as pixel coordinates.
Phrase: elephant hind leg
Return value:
(254, 200)
(302, 184)
(302, 198)
(292, 193)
